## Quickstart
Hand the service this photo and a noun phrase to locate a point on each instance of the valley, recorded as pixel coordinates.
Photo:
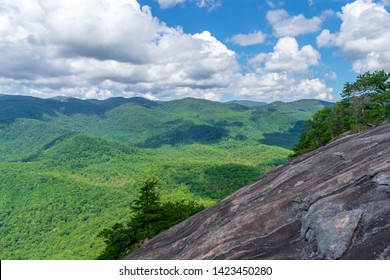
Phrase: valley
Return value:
(70, 168)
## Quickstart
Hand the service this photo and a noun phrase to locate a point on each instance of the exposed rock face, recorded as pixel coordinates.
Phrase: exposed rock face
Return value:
(333, 203)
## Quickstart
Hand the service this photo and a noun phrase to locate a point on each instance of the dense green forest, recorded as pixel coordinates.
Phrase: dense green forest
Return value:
(365, 103)
(150, 217)
(71, 168)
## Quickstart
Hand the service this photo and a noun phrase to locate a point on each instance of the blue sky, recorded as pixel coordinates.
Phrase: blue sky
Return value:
(169, 49)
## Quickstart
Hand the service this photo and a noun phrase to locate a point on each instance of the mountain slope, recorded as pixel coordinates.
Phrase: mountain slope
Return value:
(55, 201)
(330, 204)
(145, 123)
(25, 136)
(69, 167)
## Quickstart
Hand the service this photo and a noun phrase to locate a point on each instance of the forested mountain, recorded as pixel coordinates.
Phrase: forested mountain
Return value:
(70, 168)
(28, 123)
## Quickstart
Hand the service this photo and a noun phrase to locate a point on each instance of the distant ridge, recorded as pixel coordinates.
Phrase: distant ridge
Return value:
(19, 106)
(114, 102)
(247, 103)
(308, 103)
(141, 122)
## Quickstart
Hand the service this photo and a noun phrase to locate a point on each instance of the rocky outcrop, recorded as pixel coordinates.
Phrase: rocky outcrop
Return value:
(333, 203)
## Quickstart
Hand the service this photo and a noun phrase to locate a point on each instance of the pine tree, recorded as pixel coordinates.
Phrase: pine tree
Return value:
(150, 218)
(148, 211)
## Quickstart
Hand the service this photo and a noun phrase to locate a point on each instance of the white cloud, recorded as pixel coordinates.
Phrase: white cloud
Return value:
(283, 74)
(254, 38)
(286, 25)
(326, 39)
(212, 45)
(274, 4)
(164, 4)
(307, 88)
(364, 36)
(76, 44)
(288, 57)
(209, 4)
(99, 49)
(331, 76)
(281, 86)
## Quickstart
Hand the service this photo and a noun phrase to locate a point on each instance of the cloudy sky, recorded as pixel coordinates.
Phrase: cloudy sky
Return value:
(169, 49)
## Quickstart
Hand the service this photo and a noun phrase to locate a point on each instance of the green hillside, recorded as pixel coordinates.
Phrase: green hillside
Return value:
(28, 123)
(70, 168)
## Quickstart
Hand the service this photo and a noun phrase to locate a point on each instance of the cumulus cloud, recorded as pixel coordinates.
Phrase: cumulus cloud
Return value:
(73, 44)
(326, 39)
(100, 49)
(283, 74)
(364, 36)
(286, 25)
(254, 38)
(288, 57)
(281, 86)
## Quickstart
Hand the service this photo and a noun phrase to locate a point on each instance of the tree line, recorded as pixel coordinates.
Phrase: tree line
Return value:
(365, 103)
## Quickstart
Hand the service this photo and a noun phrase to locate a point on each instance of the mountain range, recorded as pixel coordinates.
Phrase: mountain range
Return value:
(70, 168)
(28, 123)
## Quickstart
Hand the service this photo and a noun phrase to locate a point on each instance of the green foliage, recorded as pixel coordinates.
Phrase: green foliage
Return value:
(124, 121)
(42, 213)
(187, 134)
(367, 100)
(148, 213)
(150, 218)
(216, 181)
(70, 170)
(119, 240)
(367, 84)
(316, 132)
(80, 184)
(175, 212)
(284, 139)
(25, 136)
(365, 103)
